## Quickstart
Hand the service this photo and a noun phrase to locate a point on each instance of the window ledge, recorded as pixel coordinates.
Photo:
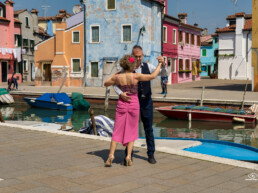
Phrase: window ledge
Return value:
(76, 42)
(94, 42)
(128, 42)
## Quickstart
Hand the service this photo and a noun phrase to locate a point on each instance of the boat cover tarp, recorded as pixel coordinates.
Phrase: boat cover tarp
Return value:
(55, 97)
(203, 108)
(62, 97)
(79, 103)
(3, 91)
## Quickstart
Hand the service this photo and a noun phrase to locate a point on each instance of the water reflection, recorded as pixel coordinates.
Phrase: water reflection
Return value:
(244, 134)
(163, 127)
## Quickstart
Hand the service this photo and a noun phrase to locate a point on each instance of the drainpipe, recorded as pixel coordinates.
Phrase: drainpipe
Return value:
(162, 22)
(83, 2)
(247, 36)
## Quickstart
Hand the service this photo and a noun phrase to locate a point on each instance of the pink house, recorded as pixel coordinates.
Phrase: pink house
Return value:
(10, 33)
(189, 50)
(170, 46)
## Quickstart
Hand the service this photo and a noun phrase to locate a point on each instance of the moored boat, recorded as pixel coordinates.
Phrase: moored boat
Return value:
(5, 97)
(57, 101)
(202, 113)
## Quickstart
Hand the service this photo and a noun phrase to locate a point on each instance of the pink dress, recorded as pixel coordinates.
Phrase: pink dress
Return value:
(127, 115)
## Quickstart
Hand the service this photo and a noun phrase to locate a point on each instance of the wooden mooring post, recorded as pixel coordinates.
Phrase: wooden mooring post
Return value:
(107, 98)
(243, 101)
(93, 121)
(1, 117)
(203, 89)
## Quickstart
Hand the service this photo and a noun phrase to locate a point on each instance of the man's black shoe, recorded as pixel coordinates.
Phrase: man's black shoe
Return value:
(151, 159)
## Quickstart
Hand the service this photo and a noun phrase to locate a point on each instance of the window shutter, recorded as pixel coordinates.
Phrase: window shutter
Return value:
(111, 4)
(76, 65)
(95, 34)
(94, 69)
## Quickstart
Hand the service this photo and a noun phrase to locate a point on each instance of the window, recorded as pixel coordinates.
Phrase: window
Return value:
(17, 40)
(25, 43)
(187, 64)
(27, 22)
(187, 38)
(181, 65)
(204, 52)
(1, 12)
(127, 33)
(76, 65)
(111, 4)
(192, 39)
(180, 37)
(174, 36)
(94, 34)
(76, 37)
(164, 34)
(173, 65)
(94, 69)
(25, 65)
(32, 44)
(199, 40)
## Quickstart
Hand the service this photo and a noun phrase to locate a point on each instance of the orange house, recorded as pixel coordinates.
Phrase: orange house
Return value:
(60, 58)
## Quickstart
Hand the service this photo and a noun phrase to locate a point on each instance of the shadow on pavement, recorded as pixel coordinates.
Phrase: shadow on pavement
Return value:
(119, 155)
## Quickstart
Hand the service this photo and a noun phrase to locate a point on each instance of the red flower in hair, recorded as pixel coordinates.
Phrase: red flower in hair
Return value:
(131, 60)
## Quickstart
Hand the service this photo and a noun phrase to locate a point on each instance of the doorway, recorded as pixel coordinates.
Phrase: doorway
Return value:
(169, 71)
(109, 68)
(4, 72)
(46, 72)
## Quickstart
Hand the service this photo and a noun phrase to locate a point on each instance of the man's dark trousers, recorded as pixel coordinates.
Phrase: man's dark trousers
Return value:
(146, 110)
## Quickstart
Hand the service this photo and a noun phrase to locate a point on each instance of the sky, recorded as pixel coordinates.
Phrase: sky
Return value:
(208, 14)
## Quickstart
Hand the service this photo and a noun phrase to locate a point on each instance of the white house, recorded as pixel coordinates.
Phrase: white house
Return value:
(235, 42)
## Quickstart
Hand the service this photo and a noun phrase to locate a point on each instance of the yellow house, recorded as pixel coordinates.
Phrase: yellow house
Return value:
(60, 58)
(255, 44)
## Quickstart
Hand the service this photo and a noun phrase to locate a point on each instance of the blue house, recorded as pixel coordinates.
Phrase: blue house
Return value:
(209, 50)
(113, 28)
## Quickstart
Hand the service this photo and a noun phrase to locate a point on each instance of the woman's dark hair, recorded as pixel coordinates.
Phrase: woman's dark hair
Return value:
(128, 62)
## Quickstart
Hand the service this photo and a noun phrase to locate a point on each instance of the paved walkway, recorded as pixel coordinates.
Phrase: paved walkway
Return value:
(33, 161)
(216, 91)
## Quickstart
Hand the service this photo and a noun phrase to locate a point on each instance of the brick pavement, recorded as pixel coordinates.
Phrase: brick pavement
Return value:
(33, 161)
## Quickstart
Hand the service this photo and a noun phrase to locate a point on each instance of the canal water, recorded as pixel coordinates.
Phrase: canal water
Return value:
(163, 127)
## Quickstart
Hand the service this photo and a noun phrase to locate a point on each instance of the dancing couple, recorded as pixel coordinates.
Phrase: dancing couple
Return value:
(133, 86)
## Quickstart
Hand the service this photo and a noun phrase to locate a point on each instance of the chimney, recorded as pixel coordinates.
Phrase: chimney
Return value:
(34, 11)
(205, 31)
(183, 17)
(196, 25)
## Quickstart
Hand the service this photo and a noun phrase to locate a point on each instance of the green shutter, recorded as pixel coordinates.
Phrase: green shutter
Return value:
(111, 4)
(94, 69)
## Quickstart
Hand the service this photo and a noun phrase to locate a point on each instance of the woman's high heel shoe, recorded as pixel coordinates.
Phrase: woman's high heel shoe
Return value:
(128, 162)
(109, 161)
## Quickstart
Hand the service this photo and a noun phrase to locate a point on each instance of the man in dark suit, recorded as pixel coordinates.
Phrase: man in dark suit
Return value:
(146, 104)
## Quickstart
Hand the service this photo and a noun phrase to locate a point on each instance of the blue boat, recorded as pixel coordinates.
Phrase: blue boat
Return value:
(223, 149)
(56, 101)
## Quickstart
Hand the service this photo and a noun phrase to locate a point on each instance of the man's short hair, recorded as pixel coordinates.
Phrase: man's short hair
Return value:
(137, 47)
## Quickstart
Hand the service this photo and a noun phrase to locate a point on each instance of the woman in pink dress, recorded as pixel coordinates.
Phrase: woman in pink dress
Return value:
(127, 113)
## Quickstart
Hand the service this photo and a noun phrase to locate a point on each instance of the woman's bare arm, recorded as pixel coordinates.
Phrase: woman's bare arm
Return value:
(148, 77)
(110, 81)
